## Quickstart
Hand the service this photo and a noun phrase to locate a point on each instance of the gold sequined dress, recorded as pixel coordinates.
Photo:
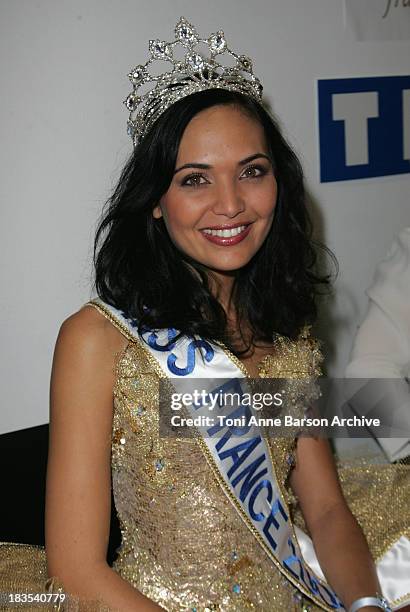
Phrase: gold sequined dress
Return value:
(183, 544)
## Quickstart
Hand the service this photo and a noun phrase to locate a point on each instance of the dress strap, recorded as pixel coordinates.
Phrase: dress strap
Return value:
(128, 327)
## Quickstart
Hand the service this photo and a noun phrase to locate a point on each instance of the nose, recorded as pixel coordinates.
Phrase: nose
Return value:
(228, 200)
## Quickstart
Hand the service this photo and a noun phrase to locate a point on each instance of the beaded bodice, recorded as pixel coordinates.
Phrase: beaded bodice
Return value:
(183, 543)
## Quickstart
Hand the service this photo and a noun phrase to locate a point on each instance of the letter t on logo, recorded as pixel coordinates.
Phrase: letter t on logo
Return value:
(355, 109)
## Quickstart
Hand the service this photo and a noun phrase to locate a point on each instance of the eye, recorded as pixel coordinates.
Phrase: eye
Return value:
(193, 180)
(254, 171)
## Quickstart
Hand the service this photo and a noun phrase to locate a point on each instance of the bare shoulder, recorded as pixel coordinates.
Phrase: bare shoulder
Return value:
(89, 331)
(86, 353)
(83, 375)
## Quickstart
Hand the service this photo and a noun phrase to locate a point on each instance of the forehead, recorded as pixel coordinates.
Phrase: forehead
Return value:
(221, 131)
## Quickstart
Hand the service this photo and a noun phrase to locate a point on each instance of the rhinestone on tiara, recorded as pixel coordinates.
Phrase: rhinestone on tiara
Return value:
(196, 71)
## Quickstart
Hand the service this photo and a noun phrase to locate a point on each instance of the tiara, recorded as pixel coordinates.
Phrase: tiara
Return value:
(195, 71)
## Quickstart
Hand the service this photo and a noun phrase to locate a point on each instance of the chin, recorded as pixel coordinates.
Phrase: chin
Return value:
(228, 266)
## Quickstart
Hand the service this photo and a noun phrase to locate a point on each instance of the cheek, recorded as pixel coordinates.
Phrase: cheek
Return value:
(170, 211)
(183, 211)
(266, 200)
(177, 221)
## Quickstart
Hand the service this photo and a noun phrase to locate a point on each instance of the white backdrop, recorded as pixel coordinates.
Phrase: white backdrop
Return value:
(63, 142)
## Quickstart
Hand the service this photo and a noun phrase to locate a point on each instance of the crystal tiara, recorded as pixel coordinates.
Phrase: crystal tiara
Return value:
(195, 71)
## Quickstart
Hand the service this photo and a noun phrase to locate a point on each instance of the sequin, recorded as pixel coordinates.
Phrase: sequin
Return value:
(236, 588)
(117, 435)
(159, 465)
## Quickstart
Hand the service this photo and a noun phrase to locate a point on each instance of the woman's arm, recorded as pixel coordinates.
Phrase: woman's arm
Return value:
(78, 496)
(339, 542)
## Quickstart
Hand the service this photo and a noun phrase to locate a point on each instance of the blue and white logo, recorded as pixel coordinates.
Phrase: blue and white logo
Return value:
(364, 127)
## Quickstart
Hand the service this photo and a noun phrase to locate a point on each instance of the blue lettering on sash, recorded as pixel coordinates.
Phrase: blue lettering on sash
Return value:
(264, 484)
(233, 429)
(334, 600)
(220, 389)
(293, 558)
(233, 385)
(190, 356)
(309, 581)
(221, 443)
(250, 479)
(153, 340)
(271, 520)
(234, 453)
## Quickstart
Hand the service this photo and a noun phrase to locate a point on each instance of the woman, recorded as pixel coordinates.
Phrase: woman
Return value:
(204, 269)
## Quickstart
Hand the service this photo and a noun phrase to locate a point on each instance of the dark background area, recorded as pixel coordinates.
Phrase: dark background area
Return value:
(23, 460)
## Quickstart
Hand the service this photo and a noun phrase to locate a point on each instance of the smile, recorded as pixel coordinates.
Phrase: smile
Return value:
(226, 233)
(226, 236)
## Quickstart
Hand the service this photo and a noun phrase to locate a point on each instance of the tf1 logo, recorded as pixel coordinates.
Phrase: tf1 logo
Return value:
(364, 127)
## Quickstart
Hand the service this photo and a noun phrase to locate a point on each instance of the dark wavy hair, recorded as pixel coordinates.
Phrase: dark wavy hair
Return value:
(140, 271)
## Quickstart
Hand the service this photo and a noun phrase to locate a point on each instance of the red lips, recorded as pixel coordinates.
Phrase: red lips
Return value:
(228, 240)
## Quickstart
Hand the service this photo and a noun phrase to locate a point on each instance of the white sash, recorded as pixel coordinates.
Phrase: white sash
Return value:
(240, 458)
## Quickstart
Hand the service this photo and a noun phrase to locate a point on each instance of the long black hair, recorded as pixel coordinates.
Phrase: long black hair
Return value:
(140, 271)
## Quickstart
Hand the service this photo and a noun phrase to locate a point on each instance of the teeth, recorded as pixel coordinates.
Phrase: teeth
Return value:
(225, 233)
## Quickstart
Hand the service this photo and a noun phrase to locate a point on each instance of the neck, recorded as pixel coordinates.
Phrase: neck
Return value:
(222, 287)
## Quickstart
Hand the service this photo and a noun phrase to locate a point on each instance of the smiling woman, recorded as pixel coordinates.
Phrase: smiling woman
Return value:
(205, 269)
(213, 202)
(231, 203)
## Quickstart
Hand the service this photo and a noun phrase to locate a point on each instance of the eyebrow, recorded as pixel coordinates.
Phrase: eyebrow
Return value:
(207, 166)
